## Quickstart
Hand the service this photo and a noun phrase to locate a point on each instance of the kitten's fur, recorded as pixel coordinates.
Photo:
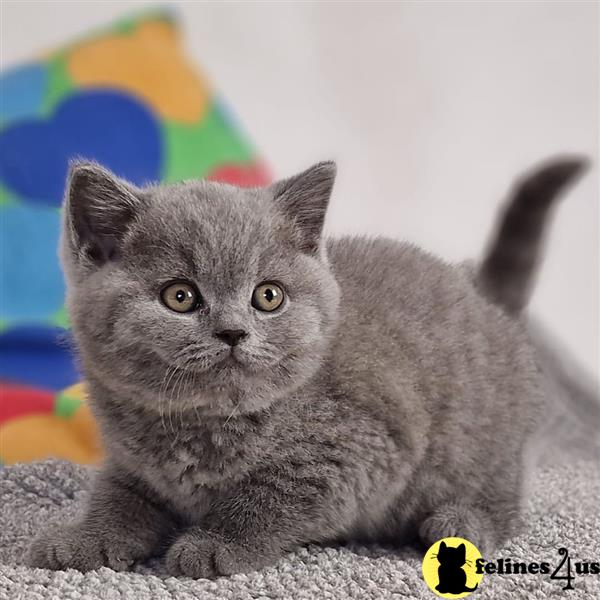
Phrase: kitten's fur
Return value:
(387, 397)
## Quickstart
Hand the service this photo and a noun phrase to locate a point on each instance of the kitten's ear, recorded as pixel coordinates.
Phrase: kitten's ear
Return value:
(99, 207)
(304, 198)
(462, 549)
(443, 546)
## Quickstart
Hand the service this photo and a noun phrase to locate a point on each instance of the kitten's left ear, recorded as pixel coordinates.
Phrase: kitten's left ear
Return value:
(304, 198)
(99, 207)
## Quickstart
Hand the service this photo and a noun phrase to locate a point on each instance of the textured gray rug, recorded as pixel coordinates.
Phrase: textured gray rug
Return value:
(564, 512)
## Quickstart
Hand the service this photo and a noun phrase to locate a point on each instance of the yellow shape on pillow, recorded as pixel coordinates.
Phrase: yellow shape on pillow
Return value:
(39, 436)
(148, 63)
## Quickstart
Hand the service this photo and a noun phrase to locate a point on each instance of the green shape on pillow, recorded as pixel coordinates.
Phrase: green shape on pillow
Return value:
(61, 318)
(194, 151)
(6, 197)
(59, 82)
(125, 26)
(66, 406)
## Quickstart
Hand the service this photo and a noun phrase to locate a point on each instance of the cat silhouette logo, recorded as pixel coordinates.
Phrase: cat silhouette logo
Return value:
(449, 568)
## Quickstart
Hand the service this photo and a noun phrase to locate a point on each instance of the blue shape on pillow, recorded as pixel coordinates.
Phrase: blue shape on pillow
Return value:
(23, 92)
(110, 127)
(31, 282)
(39, 356)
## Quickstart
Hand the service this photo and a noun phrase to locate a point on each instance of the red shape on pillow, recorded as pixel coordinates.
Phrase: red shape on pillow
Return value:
(252, 175)
(18, 400)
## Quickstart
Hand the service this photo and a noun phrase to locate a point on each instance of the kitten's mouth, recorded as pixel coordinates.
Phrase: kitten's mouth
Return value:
(231, 360)
(223, 362)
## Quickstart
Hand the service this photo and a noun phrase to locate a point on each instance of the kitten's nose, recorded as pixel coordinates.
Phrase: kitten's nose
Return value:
(231, 336)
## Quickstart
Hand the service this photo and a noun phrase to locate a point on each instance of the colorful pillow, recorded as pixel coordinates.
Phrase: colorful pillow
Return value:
(128, 98)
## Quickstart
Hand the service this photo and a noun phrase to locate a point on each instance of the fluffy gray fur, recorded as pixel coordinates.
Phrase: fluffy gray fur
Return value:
(387, 398)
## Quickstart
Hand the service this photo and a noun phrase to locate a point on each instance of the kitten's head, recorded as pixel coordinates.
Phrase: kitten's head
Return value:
(199, 295)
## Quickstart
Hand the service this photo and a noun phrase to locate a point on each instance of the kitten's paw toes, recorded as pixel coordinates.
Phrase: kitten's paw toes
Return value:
(42, 553)
(457, 521)
(122, 554)
(192, 555)
(65, 547)
(73, 547)
(200, 554)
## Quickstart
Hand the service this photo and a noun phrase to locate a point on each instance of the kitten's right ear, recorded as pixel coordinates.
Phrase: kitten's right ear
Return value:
(99, 207)
(303, 198)
(443, 546)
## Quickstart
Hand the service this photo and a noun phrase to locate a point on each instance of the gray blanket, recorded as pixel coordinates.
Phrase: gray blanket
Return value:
(564, 512)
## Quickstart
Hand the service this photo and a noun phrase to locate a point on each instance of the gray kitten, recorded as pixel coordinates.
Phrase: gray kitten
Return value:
(259, 387)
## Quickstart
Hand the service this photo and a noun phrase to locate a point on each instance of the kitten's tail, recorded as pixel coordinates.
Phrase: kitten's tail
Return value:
(507, 272)
(506, 277)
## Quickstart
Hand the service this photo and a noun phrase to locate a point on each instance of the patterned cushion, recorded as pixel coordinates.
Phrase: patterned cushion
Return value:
(127, 97)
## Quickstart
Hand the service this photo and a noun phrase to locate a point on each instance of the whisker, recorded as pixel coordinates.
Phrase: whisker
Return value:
(162, 395)
(181, 390)
(170, 403)
(233, 411)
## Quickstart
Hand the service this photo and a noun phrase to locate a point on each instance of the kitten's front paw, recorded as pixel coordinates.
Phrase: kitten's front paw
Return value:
(198, 553)
(457, 521)
(75, 547)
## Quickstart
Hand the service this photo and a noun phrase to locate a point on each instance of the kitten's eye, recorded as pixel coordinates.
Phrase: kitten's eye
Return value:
(267, 297)
(181, 297)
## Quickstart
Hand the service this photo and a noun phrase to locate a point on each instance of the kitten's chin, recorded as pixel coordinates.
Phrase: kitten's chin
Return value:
(230, 385)
(229, 400)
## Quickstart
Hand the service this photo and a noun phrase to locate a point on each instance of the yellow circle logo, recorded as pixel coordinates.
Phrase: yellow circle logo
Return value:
(449, 568)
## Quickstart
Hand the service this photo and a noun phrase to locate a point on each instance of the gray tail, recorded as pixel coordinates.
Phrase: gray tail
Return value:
(508, 270)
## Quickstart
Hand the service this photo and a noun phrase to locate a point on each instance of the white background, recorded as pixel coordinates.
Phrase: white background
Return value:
(430, 109)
